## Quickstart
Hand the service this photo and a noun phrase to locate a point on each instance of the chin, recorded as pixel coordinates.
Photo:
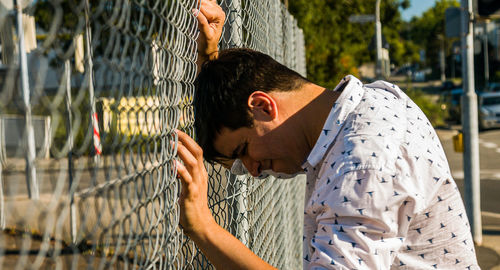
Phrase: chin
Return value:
(288, 170)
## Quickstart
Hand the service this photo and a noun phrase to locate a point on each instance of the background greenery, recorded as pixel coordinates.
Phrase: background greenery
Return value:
(335, 47)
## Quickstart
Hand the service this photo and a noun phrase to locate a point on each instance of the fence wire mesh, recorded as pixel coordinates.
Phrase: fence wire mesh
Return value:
(91, 92)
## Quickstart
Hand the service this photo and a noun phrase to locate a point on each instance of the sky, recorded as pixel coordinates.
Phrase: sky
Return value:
(417, 8)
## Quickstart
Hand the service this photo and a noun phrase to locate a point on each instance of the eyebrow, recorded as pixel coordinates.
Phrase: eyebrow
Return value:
(223, 159)
(234, 155)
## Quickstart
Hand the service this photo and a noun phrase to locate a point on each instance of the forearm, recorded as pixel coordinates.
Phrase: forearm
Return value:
(225, 251)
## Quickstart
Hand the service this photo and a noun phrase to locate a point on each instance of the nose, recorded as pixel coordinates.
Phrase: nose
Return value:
(252, 166)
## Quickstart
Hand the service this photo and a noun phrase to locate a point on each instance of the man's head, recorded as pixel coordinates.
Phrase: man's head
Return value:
(224, 88)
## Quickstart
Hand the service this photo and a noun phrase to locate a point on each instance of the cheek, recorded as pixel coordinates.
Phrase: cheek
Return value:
(266, 144)
(259, 150)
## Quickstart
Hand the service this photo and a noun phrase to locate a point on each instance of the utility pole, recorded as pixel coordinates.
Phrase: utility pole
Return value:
(470, 124)
(442, 61)
(378, 40)
(486, 54)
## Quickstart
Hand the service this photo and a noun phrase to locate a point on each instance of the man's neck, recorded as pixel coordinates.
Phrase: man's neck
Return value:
(306, 110)
(315, 114)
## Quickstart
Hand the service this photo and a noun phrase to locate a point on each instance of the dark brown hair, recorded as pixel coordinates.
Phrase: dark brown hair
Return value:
(224, 85)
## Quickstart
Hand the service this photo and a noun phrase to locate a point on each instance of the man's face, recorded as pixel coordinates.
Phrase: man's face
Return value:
(259, 148)
(270, 144)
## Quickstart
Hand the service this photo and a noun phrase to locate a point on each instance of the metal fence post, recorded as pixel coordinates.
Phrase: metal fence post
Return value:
(470, 125)
(69, 130)
(31, 179)
(90, 69)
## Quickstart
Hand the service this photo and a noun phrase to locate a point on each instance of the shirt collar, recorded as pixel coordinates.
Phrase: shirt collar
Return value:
(343, 106)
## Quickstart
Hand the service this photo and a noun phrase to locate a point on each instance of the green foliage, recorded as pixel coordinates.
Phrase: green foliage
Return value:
(436, 115)
(401, 50)
(427, 31)
(496, 76)
(335, 47)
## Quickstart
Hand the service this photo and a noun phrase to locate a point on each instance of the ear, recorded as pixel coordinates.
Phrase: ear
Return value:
(263, 106)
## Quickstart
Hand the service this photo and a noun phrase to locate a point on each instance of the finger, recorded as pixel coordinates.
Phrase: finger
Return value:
(212, 12)
(191, 163)
(203, 23)
(190, 144)
(208, 1)
(183, 173)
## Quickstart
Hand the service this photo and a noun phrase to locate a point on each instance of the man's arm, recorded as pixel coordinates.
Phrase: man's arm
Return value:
(210, 22)
(217, 244)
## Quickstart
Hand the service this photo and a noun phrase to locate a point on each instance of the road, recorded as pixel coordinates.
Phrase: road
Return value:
(489, 149)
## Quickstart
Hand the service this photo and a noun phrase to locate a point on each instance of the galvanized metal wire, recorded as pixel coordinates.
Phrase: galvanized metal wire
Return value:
(91, 92)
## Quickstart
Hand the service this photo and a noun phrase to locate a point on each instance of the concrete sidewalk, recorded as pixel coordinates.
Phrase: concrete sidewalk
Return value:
(488, 254)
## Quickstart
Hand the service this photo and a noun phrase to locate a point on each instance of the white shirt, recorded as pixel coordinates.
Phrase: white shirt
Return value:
(379, 190)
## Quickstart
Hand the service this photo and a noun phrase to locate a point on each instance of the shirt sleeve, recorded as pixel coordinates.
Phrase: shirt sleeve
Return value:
(362, 219)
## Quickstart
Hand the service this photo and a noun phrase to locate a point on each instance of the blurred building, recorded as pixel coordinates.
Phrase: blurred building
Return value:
(494, 37)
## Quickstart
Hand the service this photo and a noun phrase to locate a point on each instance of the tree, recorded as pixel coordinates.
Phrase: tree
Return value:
(425, 30)
(334, 46)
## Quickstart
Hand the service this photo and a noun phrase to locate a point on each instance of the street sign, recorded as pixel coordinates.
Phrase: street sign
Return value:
(452, 22)
(362, 18)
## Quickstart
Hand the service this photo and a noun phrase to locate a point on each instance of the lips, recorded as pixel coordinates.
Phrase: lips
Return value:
(268, 166)
(262, 168)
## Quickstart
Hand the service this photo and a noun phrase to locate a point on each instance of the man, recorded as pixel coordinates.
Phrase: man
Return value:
(379, 191)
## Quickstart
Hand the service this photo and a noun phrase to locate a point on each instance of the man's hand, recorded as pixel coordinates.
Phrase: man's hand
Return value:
(210, 22)
(194, 213)
(218, 245)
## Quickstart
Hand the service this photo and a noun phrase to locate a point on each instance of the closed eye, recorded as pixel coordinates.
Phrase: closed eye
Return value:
(243, 151)
(239, 151)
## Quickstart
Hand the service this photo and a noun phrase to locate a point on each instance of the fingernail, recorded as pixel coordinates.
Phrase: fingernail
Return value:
(195, 12)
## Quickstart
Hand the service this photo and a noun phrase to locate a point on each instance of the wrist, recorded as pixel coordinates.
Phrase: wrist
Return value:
(208, 51)
(213, 55)
(202, 233)
(208, 55)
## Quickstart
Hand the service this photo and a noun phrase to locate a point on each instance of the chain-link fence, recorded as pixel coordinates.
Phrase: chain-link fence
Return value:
(91, 92)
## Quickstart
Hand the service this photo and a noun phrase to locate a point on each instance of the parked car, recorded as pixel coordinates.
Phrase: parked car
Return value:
(450, 100)
(493, 87)
(447, 85)
(489, 110)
